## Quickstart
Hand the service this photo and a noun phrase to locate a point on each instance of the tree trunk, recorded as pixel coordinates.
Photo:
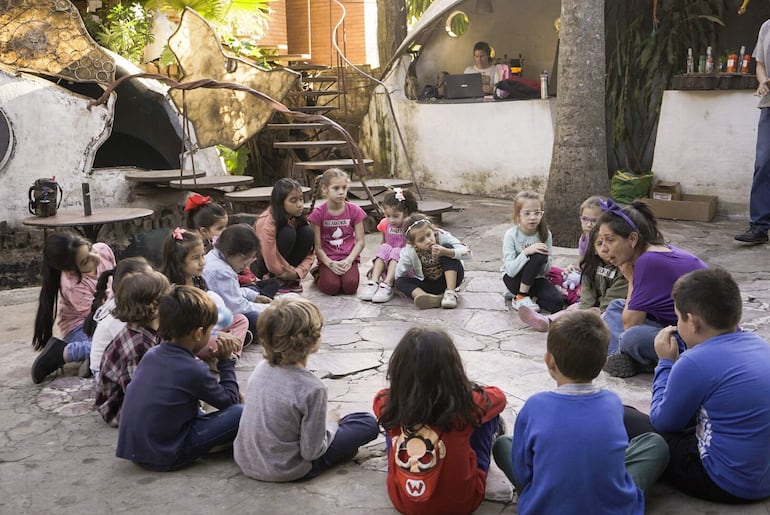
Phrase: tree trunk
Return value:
(579, 162)
(391, 27)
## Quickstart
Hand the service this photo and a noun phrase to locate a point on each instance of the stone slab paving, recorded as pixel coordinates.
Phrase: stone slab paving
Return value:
(56, 455)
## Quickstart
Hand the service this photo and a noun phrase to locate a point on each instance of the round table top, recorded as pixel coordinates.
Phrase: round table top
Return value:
(212, 181)
(260, 194)
(332, 163)
(160, 176)
(100, 215)
(434, 207)
(377, 183)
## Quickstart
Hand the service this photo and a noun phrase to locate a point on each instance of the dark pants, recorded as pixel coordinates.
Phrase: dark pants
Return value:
(548, 296)
(355, 430)
(685, 469)
(252, 316)
(206, 432)
(294, 244)
(686, 473)
(407, 285)
(759, 202)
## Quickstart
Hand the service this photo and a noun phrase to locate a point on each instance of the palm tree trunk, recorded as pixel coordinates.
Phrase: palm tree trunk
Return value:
(579, 158)
(391, 27)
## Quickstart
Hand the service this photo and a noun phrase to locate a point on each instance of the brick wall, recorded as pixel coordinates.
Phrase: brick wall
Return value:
(298, 26)
(276, 33)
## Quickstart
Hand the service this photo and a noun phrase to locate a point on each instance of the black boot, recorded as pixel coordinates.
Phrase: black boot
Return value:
(49, 359)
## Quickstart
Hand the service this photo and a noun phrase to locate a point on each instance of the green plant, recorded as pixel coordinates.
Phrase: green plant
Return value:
(126, 30)
(235, 160)
(642, 64)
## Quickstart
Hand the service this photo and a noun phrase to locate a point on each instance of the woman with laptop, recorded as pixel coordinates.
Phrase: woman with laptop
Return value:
(489, 75)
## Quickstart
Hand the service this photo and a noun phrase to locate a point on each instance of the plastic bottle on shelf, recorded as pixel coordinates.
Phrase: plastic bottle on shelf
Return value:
(739, 63)
(702, 64)
(732, 63)
(544, 84)
(690, 61)
(709, 61)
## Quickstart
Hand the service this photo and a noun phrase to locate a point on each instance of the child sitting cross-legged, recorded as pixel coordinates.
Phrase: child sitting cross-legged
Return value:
(710, 403)
(286, 432)
(136, 304)
(570, 451)
(161, 426)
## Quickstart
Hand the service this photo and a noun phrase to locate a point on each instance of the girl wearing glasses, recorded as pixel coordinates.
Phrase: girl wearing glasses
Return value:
(527, 256)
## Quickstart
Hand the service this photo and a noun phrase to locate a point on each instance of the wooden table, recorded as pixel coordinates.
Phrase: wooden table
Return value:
(211, 182)
(377, 186)
(161, 176)
(260, 194)
(89, 226)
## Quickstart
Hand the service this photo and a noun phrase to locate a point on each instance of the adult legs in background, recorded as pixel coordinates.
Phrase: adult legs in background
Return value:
(638, 342)
(759, 202)
(355, 430)
(613, 318)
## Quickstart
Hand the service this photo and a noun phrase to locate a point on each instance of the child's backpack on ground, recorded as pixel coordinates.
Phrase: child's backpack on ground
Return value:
(419, 457)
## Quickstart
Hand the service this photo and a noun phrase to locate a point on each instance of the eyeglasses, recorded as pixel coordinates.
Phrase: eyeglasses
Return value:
(588, 220)
(528, 214)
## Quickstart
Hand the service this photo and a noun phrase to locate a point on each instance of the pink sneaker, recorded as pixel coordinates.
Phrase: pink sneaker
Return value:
(534, 319)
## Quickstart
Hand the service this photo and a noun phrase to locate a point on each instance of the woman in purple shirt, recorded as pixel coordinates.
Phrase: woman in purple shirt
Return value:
(632, 241)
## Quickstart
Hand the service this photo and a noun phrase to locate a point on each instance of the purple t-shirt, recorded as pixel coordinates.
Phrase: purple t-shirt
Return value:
(338, 233)
(654, 276)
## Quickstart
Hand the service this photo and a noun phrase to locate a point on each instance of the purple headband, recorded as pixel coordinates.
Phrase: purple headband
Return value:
(610, 206)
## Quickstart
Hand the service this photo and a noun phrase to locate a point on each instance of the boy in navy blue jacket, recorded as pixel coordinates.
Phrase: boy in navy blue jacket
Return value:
(161, 426)
(711, 403)
(570, 452)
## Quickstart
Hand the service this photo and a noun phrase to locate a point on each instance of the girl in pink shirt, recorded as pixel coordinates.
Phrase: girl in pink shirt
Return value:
(71, 267)
(338, 226)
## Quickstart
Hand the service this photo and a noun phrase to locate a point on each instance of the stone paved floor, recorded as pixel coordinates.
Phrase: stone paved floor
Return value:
(56, 455)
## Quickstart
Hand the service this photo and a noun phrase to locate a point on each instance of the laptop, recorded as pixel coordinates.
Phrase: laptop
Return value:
(464, 85)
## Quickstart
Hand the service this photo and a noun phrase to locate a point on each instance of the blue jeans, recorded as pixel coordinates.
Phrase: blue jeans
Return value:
(206, 432)
(78, 345)
(636, 341)
(355, 430)
(759, 204)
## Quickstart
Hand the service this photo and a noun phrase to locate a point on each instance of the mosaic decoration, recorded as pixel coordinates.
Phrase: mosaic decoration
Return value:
(222, 116)
(48, 37)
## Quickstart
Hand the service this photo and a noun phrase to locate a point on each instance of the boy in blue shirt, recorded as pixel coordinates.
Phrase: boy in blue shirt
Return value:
(162, 426)
(711, 403)
(570, 452)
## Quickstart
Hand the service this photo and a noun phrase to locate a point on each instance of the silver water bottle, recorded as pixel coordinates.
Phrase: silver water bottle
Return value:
(544, 85)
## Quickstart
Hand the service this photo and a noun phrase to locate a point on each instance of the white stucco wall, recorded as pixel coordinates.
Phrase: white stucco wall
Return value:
(706, 141)
(487, 148)
(55, 134)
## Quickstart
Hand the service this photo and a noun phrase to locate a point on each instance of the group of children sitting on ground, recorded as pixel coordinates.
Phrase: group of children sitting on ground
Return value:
(156, 344)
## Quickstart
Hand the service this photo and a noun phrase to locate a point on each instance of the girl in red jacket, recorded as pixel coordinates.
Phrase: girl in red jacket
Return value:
(440, 427)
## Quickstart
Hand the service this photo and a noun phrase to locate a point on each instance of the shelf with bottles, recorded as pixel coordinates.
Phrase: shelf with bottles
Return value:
(714, 81)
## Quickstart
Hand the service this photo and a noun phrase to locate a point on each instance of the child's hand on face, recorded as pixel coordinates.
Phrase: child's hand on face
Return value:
(333, 414)
(440, 250)
(226, 345)
(536, 248)
(666, 346)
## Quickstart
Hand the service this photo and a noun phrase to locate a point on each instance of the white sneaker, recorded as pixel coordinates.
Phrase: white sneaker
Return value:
(384, 293)
(369, 290)
(450, 299)
(526, 301)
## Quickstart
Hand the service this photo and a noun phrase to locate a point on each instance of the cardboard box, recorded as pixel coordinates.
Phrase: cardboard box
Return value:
(700, 208)
(666, 190)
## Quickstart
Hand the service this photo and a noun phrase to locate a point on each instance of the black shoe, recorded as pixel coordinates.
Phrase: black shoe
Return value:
(621, 365)
(49, 359)
(753, 236)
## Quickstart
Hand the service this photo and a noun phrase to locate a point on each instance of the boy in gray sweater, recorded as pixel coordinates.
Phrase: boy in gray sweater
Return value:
(285, 433)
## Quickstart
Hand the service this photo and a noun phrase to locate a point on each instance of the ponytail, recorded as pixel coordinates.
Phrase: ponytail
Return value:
(100, 295)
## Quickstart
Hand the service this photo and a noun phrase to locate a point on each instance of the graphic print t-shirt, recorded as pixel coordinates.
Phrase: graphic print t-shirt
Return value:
(338, 233)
